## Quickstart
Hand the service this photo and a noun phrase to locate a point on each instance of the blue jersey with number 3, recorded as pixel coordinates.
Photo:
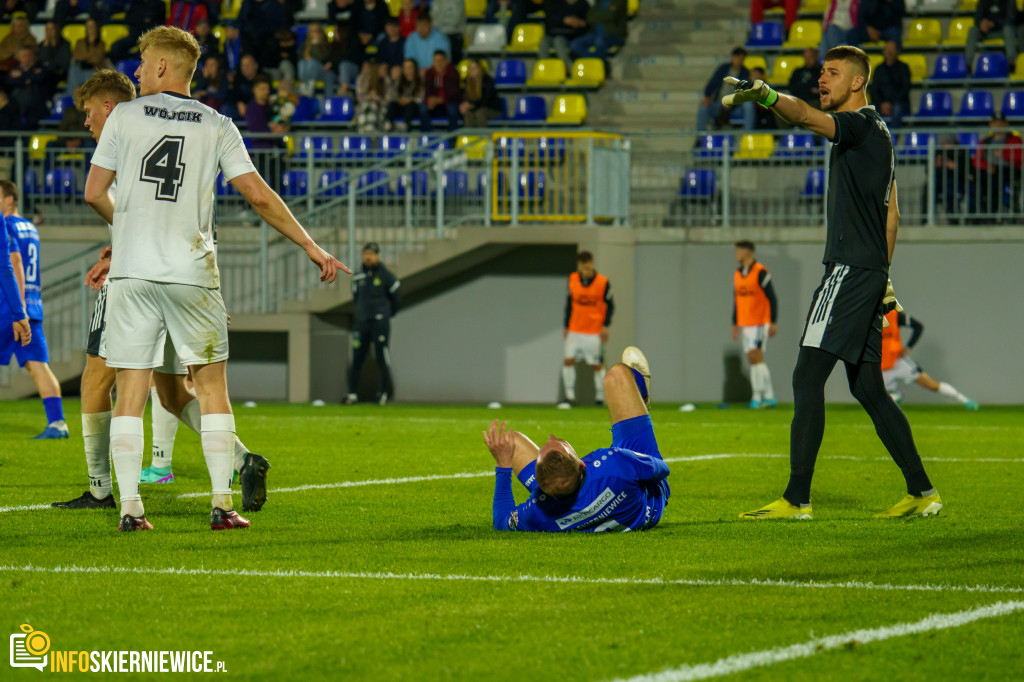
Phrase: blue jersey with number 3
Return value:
(23, 238)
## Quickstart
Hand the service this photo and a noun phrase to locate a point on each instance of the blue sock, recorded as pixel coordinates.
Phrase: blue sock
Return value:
(54, 409)
(640, 383)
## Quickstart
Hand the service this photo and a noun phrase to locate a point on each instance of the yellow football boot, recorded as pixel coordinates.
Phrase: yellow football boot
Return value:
(780, 509)
(913, 506)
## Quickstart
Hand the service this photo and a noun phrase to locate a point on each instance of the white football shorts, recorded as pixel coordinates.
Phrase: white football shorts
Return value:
(754, 337)
(905, 371)
(585, 347)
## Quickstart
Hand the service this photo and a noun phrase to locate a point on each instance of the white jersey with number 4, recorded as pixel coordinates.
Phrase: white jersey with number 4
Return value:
(167, 150)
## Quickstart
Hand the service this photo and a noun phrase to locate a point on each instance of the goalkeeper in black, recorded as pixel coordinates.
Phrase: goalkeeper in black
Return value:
(375, 294)
(846, 316)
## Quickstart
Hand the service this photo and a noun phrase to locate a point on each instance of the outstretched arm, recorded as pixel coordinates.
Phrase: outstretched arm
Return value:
(790, 109)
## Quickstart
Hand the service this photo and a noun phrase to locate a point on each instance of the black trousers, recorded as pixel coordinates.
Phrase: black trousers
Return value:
(377, 333)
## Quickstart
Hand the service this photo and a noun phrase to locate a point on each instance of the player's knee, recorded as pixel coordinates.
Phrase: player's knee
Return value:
(618, 377)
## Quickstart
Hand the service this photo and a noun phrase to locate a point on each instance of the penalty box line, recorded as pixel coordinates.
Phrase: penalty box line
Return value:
(521, 578)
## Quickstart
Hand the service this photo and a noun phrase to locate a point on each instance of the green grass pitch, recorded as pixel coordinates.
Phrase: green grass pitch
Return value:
(407, 580)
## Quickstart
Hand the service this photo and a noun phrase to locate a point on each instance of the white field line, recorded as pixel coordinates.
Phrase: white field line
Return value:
(521, 578)
(766, 657)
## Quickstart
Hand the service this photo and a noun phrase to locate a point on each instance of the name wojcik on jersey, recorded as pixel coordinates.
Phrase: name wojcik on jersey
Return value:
(186, 116)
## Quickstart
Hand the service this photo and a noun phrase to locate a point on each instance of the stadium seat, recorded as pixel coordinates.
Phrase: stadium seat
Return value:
(128, 67)
(60, 181)
(306, 110)
(355, 147)
(918, 66)
(569, 109)
(221, 34)
(755, 146)
(463, 68)
(967, 5)
(73, 33)
(915, 144)
(337, 110)
(814, 6)
(60, 105)
(526, 38)
(784, 68)
(231, 8)
(455, 183)
(923, 33)
(586, 73)
(755, 61)
(936, 6)
(473, 146)
(321, 147)
(799, 145)
(547, 73)
(950, 67)
(37, 146)
(969, 140)
(698, 184)
(991, 65)
(959, 27)
(374, 184)
(765, 34)
(874, 61)
(506, 146)
(510, 73)
(300, 31)
(225, 188)
(713, 146)
(530, 108)
(111, 33)
(632, 7)
(488, 38)
(418, 182)
(327, 183)
(1013, 104)
(531, 185)
(814, 185)
(393, 145)
(977, 104)
(936, 103)
(30, 183)
(551, 149)
(294, 183)
(426, 145)
(475, 9)
(804, 33)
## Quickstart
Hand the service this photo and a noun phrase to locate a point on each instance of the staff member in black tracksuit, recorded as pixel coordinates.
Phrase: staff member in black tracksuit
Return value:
(375, 292)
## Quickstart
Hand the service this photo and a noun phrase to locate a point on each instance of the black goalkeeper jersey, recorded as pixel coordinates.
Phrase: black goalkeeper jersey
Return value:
(861, 173)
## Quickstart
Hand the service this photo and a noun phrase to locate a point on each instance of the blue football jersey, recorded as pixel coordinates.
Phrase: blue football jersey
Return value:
(22, 234)
(621, 490)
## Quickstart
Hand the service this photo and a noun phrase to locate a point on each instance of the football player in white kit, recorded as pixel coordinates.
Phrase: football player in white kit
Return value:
(165, 149)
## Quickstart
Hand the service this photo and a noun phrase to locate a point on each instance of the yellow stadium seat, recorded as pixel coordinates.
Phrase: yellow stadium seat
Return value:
(814, 6)
(632, 7)
(923, 32)
(755, 61)
(784, 68)
(547, 73)
(230, 9)
(463, 67)
(221, 34)
(587, 73)
(968, 5)
(569, 109)
(329, 33)
(475, 8)
(474, 146)
(5, 30)
(804, 33)
(394, 7)
(37, 146)
(918, 66)
(958, 30)
(756, 146)
(526, 38)
(875, 60)
(73, 33)
(111, 33)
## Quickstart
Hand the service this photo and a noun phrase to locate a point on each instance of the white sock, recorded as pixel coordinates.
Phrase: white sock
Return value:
(240, 452)
(569, 380)
(599, 383)
(755, 382)
(126, 453)
(96, 434)
(766, 382)
(218, 436)
(192, 416)
(947, 390)
(164, 427)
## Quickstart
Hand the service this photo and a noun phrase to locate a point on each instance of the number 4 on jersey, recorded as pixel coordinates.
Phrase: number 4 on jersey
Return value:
(163, 167)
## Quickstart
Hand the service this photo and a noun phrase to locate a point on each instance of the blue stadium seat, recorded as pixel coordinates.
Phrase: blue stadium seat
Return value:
(713, 146)
(393, 145)
(306, 110)
(529, 109)
(991, 65)
(300, 31)
(329, 178)
(765, 34)
(510, 73)
(60, 181)
(799, 144)
(951, 66)
(531, 184)
(419, 182)
(551, 149)
(814, 186)
(938, 104)
(456, 183)
(321, 147)
(698, 184)
(503, 118)
(375, 183)
(1013, 104)
(481, 183)
(294, 183)
(128, 67)
(915, 144)
(969, 140)
(428, 144)
(506, 145)
(30, 185)
(60, 105)
(225, 188)
(338, 110)
(355, 147)
(977, 104)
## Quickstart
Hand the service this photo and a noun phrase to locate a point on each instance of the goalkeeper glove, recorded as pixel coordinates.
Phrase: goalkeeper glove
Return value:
(749, 91)
(889, 303)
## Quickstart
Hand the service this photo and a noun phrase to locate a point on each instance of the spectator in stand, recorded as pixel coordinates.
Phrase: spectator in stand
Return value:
(441, 93)
(368, 19)
(997, 166)
(803, 82)
(564, 21)
(339, 11)
(764, 117)
(279, 57)
(89, 54)
(72, 121)
(285, 101)
(257, 21)
(607, 21)
(140, 16)
(185, 14)
(757, 8)
(407, 17)
(10, 117)
(405, 97)
(450, 18)
(18, 38)
(522, 12)
(345, 48)
(209, 45)
(993, 19)
(881, 20)
(103, 11)
(425, 42)
(212, 85)
(262, 116)
(890, 86)
(232, 47)
(498, 12)
(55, 53)
(371, 96)
(711, 108)
(839, 25)
(66, 11)
(391, 45)
(316, 52)
(240, 90)
(480, 101)
(31, 86)
(30, 8)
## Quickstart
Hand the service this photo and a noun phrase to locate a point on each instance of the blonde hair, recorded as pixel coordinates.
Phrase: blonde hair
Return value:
(107, 84)
(557, 472)
(180, 47)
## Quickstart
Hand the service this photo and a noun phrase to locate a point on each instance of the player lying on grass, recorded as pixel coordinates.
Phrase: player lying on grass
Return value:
(622, 488)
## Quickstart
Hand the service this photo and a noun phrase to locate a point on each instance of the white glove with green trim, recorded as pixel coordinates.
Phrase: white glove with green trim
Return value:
(749, 91)
(889, 303)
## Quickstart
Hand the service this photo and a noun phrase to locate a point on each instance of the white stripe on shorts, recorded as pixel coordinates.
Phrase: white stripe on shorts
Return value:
(822, 308)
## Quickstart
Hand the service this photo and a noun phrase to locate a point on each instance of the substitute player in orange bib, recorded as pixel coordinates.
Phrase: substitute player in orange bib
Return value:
(589, 307)
(754, 313)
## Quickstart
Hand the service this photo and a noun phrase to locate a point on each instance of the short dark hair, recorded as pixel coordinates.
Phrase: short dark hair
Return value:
(442, 52)
(9, 189)
(262, 78)
(584, 257)
(392, 21)
(424, 16)
(852, 55)
(745, 244)
(740, 51)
